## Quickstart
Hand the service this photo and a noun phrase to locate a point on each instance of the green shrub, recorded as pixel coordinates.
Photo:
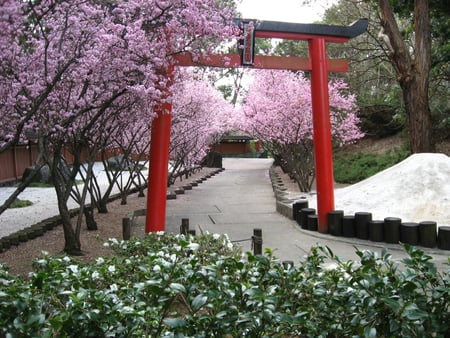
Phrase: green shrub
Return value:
(20, 204)
(355, 167)
(176, 286)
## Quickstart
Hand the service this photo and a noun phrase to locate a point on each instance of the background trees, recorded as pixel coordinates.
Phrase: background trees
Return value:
(200, 115)
(277, 109)
(403, 59)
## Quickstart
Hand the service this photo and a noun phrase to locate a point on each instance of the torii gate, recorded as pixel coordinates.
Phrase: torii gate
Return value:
(318, 64)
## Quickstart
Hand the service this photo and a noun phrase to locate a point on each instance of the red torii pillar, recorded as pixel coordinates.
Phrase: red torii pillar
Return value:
(159, 163)
(323, 151)
(317, 63)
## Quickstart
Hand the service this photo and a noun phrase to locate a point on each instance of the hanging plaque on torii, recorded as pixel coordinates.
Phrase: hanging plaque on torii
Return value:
(317, 63)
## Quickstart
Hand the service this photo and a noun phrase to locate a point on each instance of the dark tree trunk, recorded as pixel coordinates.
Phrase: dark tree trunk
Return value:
(412, 72)
(90, 220)
(72, 245)
(123, 198)
(63, 182)
(102, 205)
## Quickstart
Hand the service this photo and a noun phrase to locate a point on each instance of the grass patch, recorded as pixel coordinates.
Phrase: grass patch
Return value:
(20, 204)
(41, 185)
(354, 167)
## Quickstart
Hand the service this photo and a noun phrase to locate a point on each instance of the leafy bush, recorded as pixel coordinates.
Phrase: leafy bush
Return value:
(355, 167)
(20, 204)
(176, 286)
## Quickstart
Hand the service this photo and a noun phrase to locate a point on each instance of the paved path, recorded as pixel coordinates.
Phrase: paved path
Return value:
(240, 199)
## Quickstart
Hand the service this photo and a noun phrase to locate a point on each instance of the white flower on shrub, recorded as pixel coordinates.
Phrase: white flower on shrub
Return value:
(114, 287)
(112, 268)
(193, 246)
(156, 268)
(73, 268)
(100, 260)
(216, 236)
(66, 259)
(42, 262)
(95, 275)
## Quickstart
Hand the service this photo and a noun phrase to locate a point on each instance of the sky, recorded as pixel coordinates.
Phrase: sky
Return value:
(283, 10)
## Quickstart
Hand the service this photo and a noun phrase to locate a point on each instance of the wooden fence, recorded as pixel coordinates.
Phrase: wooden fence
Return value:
(13, 161)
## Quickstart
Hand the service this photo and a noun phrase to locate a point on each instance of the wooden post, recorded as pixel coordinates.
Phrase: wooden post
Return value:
(257, 241)
(184, 227)
(126, 228)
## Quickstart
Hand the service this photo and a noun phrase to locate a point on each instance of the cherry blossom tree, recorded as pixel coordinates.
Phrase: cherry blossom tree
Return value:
(278, 110)
(200, 115)
(72, 64)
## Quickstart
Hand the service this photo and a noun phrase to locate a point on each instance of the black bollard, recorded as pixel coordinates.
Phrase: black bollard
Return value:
(296, 207)
(392, 230)
(312, 222)
(362, 220)
(427, 234)
(376, 231)
(409, 233)
(444, 237)
(348, 226)
(335, 222)
(304, 216)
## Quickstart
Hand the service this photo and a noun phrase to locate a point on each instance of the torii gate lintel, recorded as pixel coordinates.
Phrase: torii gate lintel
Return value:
(318, 64)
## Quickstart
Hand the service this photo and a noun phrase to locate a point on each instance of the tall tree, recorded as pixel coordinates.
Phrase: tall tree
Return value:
(412, 68)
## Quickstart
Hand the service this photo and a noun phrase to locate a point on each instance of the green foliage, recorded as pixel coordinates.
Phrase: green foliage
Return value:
(355, 167)
(41, 185)
(177, 286)
(20, 204)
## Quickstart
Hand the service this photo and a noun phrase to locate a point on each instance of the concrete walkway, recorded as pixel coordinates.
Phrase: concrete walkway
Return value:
(241, 198)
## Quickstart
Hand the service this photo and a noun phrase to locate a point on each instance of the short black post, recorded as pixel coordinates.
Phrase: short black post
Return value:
(191, 232)
(427, 234)
(444, 237)
(257, 241)
(296, 207)
(287, 265)
(312, 222)
(392, 230)
(304, 216)
(184, 227)
(126, 228)
(335, 222)
(409, 233)
(348, 226)
(376, 230)
(362, 220)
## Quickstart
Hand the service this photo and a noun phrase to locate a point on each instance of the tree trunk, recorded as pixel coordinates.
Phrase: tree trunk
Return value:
(90, 220)
(63, 185)
(72, 245)
(412, 73)
(418, 116)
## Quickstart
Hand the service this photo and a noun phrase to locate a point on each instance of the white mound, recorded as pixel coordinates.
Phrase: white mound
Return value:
(416, 189)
